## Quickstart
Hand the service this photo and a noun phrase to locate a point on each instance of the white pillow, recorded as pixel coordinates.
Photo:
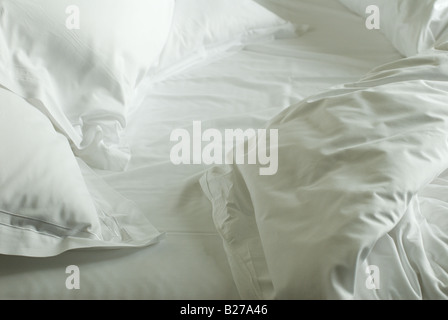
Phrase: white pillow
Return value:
(203, 29)
(83, 79)
(413, 26)
(46, 205)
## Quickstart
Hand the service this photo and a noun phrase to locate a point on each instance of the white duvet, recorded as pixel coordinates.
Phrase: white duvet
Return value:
(356, 166)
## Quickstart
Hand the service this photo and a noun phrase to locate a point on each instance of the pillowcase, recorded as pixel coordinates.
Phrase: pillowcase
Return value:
(412, 26)
(79, 62)
(46, 204)
(204, 29)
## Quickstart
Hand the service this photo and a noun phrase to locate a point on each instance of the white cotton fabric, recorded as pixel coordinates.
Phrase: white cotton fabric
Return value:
(83, 79)
(356, 166)
(203, 30)
(47, 206)
(243, 90)
(413, 26)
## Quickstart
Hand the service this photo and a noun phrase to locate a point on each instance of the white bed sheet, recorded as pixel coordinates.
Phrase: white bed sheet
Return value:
(242, 90)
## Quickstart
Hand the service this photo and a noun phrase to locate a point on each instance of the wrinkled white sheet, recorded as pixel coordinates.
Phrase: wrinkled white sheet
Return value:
(356, 173)
(242, 90)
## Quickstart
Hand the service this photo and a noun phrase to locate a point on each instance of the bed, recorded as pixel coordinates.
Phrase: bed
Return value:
(114, 185)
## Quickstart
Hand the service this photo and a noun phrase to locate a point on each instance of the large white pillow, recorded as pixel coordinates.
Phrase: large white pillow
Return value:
(46, 204)
(413, 26)
(204, 29)
(83, 79)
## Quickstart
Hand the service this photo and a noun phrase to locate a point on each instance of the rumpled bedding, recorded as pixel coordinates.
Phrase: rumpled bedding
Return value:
(69, 76)
(358, 206)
